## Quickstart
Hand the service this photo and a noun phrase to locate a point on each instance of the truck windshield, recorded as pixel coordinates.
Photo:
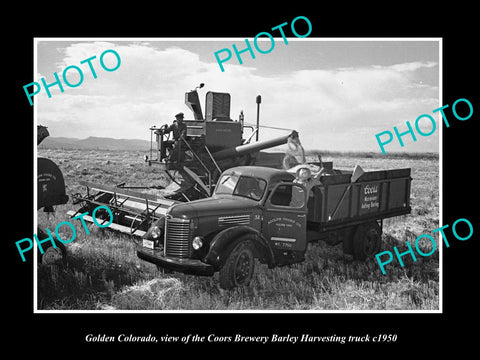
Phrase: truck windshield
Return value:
(246, 186)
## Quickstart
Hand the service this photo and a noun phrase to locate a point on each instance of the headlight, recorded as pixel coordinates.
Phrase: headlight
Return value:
(156, 232)
(304, 173)
(197, 242)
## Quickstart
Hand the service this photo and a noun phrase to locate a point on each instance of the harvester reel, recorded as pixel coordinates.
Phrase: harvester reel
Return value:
(139, 215)
(78, 198)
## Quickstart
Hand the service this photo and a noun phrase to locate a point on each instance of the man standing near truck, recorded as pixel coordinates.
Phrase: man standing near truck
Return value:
(294, 154)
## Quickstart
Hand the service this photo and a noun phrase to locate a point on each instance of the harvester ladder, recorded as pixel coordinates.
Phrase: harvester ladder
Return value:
(203, 164)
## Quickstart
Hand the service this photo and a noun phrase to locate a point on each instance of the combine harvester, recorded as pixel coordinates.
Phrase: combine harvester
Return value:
(212, 144)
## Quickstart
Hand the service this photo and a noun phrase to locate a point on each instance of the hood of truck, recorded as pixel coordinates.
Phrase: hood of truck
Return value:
(222, 205)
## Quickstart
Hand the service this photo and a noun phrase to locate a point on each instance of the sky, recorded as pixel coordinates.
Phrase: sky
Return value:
(337, 93)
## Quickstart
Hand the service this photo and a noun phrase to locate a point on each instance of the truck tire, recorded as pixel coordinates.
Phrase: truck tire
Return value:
(239, 267)
(366, 240)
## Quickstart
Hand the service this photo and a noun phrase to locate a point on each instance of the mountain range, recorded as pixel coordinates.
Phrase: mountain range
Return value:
(96, 143)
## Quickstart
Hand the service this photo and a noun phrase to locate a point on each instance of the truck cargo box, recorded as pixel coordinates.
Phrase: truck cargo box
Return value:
(375, 195)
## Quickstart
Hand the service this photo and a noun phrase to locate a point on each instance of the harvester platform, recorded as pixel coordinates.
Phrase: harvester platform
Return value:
(133, 211)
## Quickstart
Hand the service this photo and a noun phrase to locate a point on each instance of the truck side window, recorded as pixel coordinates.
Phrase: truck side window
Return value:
(288, 195)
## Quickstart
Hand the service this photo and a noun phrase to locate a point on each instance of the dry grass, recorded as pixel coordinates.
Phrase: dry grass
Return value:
(103, 271)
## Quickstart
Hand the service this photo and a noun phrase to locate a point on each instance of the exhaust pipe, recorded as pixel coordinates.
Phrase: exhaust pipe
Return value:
(259, 101)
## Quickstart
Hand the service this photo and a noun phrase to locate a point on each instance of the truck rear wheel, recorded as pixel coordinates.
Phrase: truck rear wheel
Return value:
(366, 240)
(239, 267)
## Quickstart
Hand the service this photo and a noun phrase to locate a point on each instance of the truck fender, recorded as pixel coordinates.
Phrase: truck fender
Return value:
(225, 241)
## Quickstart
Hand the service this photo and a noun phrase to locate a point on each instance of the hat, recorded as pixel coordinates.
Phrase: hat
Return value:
(179, 115)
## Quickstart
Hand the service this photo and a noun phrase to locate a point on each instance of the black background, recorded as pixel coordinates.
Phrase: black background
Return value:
(416, 333)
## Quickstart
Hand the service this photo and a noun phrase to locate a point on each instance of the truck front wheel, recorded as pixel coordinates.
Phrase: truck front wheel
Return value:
(239, 267)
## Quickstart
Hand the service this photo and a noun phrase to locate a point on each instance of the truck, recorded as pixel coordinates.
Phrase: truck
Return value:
(272, 215)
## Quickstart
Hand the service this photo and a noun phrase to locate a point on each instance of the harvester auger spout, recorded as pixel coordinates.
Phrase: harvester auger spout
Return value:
(252, 148)
(192, 152)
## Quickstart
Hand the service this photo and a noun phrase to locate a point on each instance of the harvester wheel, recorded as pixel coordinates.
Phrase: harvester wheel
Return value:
(239, 267)
(366, 240)
(50, 254)
(54, 256)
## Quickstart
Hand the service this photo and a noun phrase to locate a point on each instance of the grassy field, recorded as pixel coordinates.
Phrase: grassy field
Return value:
(102, 271)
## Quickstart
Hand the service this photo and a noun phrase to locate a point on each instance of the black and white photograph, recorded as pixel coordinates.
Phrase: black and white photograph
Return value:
(260, 187)
(283, 179)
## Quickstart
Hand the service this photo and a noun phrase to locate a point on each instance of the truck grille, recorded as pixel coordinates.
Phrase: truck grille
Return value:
(177, 238)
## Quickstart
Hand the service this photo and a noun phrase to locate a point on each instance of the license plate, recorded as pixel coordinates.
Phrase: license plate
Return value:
(148, 244)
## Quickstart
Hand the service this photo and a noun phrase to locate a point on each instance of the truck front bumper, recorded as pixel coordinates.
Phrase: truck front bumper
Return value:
(186, 266)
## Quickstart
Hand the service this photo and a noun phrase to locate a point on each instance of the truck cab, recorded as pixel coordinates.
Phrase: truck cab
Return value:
(255, 212)
(281, 207)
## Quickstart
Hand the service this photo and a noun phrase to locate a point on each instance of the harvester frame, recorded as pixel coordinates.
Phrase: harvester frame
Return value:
(212, 144)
